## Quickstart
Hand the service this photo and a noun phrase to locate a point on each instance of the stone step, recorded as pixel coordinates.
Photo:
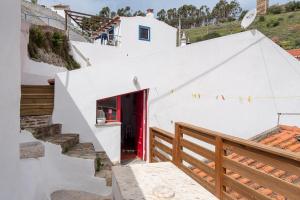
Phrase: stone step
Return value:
(42, 132)
(66, 141)
(82, 150)
(35, 121)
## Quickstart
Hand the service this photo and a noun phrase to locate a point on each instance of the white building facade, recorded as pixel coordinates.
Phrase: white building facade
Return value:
(229, 84)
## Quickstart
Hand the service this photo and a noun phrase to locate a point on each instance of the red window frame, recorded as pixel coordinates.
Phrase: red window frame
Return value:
(118, 109)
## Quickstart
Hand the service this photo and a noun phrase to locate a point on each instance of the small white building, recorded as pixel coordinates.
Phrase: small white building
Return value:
(128, 37)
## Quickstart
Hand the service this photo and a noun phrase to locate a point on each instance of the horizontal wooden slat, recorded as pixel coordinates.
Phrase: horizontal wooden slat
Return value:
(163, 147)
(163, 135)
(278, 185)
(270, 159)
(26, 112)
(38, 96)
(198, 164)
(243, 189)
(37, 106)
(197, 149)
(37, 89)
(37, 101)
(198, 135)
(226, 196)
(247, 143)
(208, 186)
(160, 156)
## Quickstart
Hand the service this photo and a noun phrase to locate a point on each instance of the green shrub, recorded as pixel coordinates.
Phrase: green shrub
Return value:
(37, 36)
(291, 16)
(211, 36)
(297, 43)
(261, 19)
(280, 19)
(273, 23)
(275, 9)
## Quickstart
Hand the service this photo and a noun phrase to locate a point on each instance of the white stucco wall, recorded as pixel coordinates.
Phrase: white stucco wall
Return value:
(56, 171)
(163, 38)
(10, 77)
(236, 66)
(31, 179)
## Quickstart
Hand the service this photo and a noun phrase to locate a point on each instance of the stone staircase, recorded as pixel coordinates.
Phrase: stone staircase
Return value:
(36, 117)
(69, 143)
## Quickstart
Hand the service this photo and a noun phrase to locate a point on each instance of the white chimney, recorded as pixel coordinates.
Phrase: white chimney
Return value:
(150, 13)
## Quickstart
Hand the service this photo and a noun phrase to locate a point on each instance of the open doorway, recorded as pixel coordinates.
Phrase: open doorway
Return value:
(133, 131)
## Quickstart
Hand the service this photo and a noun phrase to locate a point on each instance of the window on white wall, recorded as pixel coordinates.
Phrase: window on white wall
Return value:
(144, 33)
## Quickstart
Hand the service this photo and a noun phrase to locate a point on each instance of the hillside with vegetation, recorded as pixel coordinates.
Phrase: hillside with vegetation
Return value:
(282, 25)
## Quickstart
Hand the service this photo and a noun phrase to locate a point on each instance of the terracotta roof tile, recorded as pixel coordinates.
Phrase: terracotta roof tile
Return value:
(265, 191)
(279, 173)
(294, 147)
(284, 138)
(295, 52)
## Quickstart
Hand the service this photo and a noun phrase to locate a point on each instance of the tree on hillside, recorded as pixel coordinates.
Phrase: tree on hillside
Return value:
(34, 1)
(139, 13)
(124, 12)
(235, 9)
(104, 12)
(162, 15)
(113, 14)
(224, 11)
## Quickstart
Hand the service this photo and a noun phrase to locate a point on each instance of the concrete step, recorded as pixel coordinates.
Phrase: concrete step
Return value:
(42, 132)
(107, 175)
(103, 164)
(66, 141)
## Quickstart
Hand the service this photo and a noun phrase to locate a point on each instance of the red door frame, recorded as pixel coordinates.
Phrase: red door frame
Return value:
(142, 103)
(139, 137)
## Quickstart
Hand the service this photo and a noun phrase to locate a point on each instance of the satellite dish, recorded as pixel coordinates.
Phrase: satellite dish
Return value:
(248, 19)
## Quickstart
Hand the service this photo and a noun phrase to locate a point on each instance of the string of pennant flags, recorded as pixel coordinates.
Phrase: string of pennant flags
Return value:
(241, 99)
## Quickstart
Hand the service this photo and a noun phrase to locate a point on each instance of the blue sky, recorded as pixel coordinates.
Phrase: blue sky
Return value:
(93, 6)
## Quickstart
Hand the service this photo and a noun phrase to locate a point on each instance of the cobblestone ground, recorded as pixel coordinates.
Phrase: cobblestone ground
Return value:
(76, 195)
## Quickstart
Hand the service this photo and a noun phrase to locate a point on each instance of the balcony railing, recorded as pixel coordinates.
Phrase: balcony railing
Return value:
(194, 149)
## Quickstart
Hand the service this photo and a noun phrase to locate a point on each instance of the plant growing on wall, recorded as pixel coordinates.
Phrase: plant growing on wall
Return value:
(51, 46)
(34, 1)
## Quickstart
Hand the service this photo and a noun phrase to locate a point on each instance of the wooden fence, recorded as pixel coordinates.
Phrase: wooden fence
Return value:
(190, 144)
(37, 100)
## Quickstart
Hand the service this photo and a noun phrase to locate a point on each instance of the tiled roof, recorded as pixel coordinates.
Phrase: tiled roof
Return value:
(285, 137)
(295, 52)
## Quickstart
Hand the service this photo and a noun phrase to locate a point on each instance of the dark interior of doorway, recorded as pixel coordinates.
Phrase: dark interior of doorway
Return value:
(132, 127)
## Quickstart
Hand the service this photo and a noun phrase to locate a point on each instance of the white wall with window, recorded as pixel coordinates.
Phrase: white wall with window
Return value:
(135, 36)
(146, 34)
